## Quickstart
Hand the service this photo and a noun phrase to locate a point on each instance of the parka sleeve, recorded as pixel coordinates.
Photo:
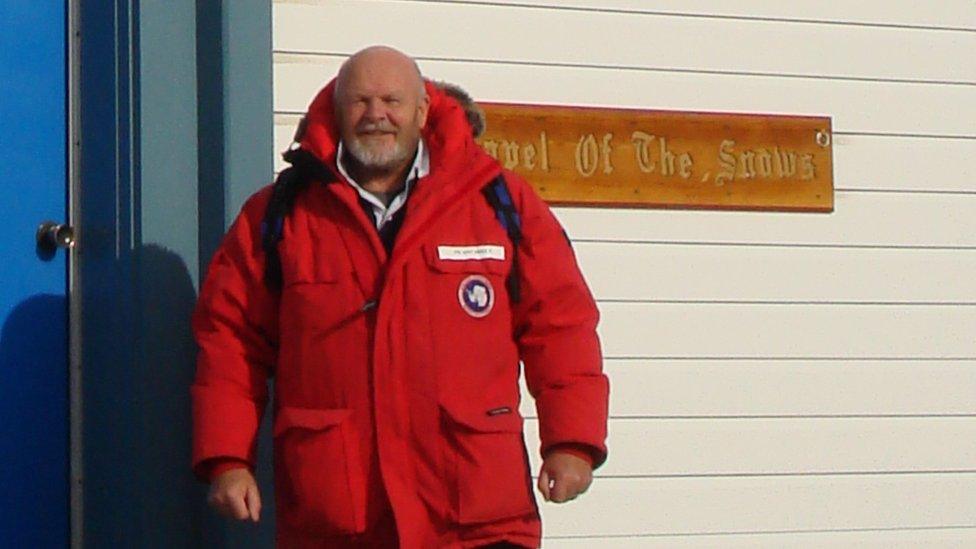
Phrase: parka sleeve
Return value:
(555, 328)
(235, 326)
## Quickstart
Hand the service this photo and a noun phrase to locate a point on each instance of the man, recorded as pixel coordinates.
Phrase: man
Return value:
(393, 308)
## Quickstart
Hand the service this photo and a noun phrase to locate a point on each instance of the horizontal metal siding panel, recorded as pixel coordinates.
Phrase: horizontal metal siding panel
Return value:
(860, 107)
(842, 388)
(859, 219)
(674, 272)
(641, 448)
(654, 330)
(711, 505)
(904, 163)
(599, 38)
(953, 14)
(896, 538)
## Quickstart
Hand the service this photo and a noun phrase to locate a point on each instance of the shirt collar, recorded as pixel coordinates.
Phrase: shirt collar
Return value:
(420, 167)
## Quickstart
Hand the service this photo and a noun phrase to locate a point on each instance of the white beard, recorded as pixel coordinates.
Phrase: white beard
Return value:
(377, 158)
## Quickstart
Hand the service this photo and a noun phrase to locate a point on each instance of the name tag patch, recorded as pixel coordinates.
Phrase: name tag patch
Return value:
(471, 253)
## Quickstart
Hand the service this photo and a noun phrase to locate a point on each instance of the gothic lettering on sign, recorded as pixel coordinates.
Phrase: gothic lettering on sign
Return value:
(809, 170)
(544, 148)
(587, 155)
(642, 143)
(761, 163)
(590, 154)
(684, 165)
(726, 162)
(510, 157)
(617, 156)
(514, 155)
(605, 151)
(666, 162)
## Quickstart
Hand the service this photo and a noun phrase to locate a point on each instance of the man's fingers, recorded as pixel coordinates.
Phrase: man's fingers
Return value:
(230, 503)
(586, 483)
(230, 507)
(544, 484)
(238, 507)
(253, 500)
(568, 474)
(234, 494)
(560, 490)
(566, 488)
(220, 501)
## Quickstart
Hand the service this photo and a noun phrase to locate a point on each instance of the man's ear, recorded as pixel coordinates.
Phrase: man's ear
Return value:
(423, 109)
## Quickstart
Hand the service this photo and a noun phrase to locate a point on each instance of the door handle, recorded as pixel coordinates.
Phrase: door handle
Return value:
(51, 236)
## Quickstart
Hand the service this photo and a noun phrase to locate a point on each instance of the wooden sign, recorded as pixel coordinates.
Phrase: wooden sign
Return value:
(634, 158)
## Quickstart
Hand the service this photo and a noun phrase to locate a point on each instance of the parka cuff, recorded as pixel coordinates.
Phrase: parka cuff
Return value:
(577, 416)
(585, 452)
(213, 468)
(225, 426)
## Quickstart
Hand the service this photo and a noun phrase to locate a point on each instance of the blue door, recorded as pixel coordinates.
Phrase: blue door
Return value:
(34, 407)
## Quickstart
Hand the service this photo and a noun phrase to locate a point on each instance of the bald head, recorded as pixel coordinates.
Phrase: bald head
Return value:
(380, 59)
(381, 105)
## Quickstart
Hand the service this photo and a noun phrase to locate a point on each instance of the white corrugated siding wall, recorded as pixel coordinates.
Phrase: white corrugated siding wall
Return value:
(777, 379)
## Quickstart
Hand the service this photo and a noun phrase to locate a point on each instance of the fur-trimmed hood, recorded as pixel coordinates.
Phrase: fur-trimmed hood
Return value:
(454, 120)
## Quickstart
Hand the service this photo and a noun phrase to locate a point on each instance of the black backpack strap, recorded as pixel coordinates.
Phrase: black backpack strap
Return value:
(496, 192)
(305, 168)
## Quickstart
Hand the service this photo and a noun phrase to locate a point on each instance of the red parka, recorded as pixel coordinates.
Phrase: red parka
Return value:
(411, 404)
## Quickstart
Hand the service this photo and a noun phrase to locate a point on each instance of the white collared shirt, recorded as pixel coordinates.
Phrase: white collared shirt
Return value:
(382, 213)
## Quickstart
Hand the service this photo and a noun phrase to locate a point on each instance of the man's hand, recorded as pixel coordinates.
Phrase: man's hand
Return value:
(564, 476)
(234, 494)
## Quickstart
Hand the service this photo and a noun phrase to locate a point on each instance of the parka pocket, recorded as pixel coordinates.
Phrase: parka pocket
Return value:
(320, 485)
(487, 463)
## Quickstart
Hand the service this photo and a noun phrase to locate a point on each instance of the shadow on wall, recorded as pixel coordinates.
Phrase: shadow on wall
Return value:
(34, 412)
(138, 420)
(174, 502)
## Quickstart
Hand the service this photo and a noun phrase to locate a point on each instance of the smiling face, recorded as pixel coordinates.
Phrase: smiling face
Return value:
(380, 106)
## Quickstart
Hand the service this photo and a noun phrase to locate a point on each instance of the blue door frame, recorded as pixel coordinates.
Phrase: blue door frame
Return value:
(175, 126)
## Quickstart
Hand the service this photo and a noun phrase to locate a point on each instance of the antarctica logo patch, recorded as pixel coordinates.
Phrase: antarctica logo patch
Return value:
(476, 296)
